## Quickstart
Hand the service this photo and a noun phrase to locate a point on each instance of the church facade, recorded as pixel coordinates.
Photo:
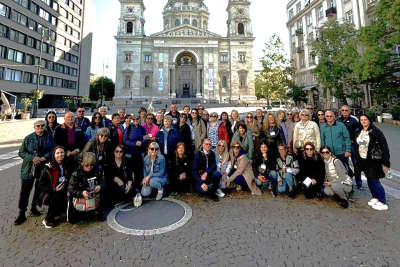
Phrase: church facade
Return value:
(185, 60)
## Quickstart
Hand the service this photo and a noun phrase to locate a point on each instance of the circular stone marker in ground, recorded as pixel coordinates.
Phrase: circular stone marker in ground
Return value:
(153, 217)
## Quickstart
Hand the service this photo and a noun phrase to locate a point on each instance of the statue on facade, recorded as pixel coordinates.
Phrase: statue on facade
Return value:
(150, 107)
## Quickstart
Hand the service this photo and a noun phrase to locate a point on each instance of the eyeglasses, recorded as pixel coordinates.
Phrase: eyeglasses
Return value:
(88, 166)
(345, 110)
(119, 151)
(213, 116)
(290, 114)
(40, 126)
(320, 114)
(328, 116)
(250, 117)
(103, 135)
(305, 115)
(154, 149)
(325, 152)
(207, 144)
(309, 149)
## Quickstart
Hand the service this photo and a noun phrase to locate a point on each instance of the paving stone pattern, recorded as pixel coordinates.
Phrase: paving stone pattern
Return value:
(240, 230)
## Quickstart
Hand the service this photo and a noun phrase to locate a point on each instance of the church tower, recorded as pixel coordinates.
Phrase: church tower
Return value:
(132, 18)
(239, 23)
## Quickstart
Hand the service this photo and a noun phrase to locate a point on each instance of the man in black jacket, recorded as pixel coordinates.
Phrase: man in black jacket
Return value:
(314, 118)
(352, 124)
(205, 171)
(80, 119)
(174, 113)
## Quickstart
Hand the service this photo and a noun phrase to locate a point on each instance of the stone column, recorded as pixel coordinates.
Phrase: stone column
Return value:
(198, 83)
(173, 82)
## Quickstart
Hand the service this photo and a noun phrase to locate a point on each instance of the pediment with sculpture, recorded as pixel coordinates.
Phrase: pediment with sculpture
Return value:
(186, 31)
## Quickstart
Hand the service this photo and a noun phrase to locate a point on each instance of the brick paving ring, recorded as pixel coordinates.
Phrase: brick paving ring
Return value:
(152, 218)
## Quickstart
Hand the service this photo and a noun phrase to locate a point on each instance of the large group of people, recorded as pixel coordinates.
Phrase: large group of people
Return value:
(84, 168)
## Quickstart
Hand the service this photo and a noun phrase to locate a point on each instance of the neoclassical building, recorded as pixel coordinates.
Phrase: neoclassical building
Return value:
(185, 60)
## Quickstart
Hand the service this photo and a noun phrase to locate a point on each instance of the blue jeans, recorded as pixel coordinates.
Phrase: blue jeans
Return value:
(261, 184)
(213, 179)
(377, 190)
(286, 182)
(157, 183)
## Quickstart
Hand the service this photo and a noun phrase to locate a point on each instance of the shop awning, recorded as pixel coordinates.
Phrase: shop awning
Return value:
(309, 88)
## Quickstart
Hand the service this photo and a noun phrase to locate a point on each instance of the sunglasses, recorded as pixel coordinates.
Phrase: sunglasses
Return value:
(310, 108)
(200, 108)
(103, 135)
(345, 110)
(213, 116)
(290, 114)
(320, 114)
(325, 152)
(250, 117)
(154, 149)
(80, 111)
(221, 145)
(305, 115)
(236, 147)
(207, 144)
(51, 117)
(149, 118)
(309, 149)
(328, 116)
(119, 151)
(88, 165)
(40, 126)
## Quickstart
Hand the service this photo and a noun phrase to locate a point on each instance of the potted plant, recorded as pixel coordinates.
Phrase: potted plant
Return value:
(27, 102)
(375, 112)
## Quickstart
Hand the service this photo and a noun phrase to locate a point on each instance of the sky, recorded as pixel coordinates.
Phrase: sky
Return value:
(268, 17)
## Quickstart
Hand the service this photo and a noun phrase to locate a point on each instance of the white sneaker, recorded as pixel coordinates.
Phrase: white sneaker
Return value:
(373, 201)
(160, 194)
(219, 193)
(380, 206)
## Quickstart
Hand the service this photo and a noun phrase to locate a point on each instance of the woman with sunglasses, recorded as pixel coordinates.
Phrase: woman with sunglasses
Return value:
(119, 185)
(184, 131)
(337, 182)
(246, 140)
(373, 158)
(321, 118)
(273, 133)
(223, 164)
(312, 171)
(155, 174)
(53, 187)
(85, 185)
(262, 166)
(256, 130)
(241, 171)
(35, 151)
(198, 130)
(228, 125)
(305, 131)
(182, 170)
(289, 115)
(52, 124)
(151, 129)
(216, 131)
(95, 125)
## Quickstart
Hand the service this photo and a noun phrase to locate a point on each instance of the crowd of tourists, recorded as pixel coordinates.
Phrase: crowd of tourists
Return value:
(83, 168)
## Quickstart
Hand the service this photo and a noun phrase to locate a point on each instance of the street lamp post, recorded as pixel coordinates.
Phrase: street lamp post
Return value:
(39, 66)
(102, 83)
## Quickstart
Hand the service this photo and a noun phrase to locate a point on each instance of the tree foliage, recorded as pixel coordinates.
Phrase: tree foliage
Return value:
(276, 76)
(336, 49)
(297, 94)
(96, 88)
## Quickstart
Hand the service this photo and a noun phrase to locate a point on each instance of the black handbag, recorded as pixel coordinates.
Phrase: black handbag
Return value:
(376, 152)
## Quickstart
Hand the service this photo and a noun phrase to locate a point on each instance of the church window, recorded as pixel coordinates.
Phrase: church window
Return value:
(194, 23)
(147, 81)
(127, 81)
(128, 57)
(147, 58)
(241, 28)
(242, 57)
(224, 81)
(177, 22)
(186, 21)
(129, 27)
(224, 58)
(242, 81)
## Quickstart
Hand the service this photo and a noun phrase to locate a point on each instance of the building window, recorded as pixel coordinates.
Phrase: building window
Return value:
(127, 81)
(129, 27)
(19, 18)
(147, 58)
(242, 81)
(242, 57)
(309, 19)
(241, 28)
(177, 22)
(128, 57)
(304, 76)
(333, 3)
(224, 81)
(147, 81)
(194, 23)
(298, 8)
(300, 24)
(293, 30)
(186, 21)
(349, 16)
(224, 58)
(303, 61)
(291, 14)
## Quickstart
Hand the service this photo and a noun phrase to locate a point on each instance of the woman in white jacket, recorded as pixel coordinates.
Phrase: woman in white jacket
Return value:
(305, 131)
(223, 164)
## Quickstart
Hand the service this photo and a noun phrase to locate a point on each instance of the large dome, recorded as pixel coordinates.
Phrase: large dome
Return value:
(180, 12)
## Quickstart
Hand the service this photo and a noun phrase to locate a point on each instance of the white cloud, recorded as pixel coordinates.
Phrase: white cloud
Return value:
(268, 17)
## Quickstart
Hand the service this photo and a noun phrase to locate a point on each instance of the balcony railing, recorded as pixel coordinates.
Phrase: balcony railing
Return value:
(299, 32)
(331, 11)
(300, 49)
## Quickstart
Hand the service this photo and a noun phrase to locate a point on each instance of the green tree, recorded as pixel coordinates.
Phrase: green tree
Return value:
(297, 94)
(336, 47)
(379, 40)
(276, 76)
(96, 86)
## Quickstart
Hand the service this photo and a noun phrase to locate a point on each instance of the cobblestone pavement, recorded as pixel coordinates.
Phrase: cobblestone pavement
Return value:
(240, 230)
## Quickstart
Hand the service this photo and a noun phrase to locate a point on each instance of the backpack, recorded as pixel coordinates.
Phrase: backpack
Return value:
(349, 171)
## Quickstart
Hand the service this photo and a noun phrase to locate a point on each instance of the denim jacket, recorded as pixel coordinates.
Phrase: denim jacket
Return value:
(155, 169)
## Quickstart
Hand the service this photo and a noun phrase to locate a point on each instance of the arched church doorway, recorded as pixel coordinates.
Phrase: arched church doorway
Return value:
(186, 75)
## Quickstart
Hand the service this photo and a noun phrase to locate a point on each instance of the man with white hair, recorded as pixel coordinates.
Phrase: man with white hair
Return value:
(103, 112)
(335, 135)
(352, 123)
